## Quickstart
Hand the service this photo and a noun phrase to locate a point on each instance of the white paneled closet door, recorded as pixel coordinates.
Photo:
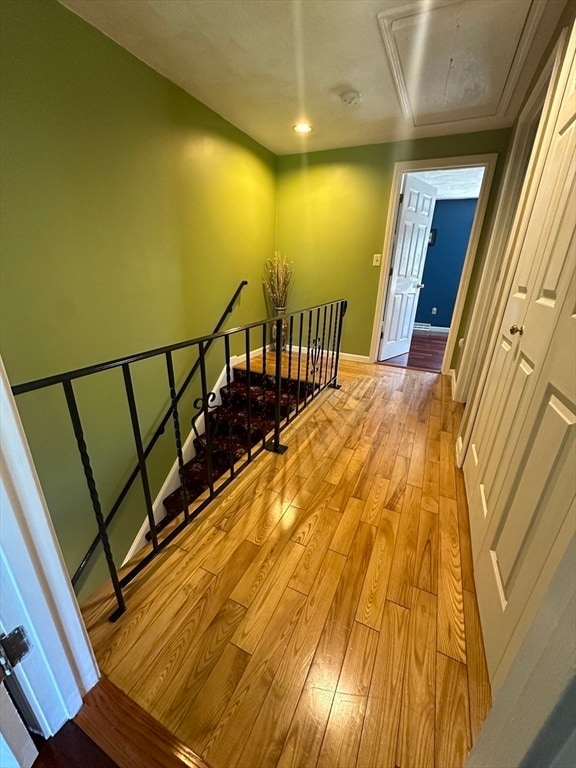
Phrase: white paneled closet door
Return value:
(520, 470)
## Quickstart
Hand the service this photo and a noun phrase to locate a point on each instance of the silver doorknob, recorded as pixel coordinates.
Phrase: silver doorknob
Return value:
(514, 330)
(420, 285)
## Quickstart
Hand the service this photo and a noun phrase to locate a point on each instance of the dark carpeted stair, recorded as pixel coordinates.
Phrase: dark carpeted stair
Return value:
(230, 437)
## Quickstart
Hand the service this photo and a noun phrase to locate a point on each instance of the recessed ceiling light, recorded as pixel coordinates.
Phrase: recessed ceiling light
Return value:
(302, 128)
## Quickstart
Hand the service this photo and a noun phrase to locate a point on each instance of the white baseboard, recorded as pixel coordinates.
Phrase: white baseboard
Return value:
(354, 358)
(433, 328)
(242, 358)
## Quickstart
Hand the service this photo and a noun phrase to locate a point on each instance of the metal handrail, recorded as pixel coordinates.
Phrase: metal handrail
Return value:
(153, 440)
(326, 348)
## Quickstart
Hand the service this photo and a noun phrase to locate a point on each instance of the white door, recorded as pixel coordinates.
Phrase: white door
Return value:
(404, 285)
(35, 590)
(520, 473)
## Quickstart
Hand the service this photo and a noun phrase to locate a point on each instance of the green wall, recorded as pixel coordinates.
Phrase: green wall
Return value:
(332, 209)
(130, 213)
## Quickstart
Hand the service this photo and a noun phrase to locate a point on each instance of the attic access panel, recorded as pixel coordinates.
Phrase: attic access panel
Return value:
(457, 59)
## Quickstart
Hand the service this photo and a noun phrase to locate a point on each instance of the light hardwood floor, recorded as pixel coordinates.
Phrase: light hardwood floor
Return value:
(322, 611)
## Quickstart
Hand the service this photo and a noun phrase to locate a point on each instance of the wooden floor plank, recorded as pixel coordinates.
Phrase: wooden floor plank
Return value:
(356, 672)
(257, 572)
(348, 525)
(397, 487)
(333, 641)
(156, 670)
(201, 716)
(431, 486)
(464, 532)
(451, 631)
(343, 732)
(416, 740)
(375, 501)
(382, 720)
(254, 623)
(305, 574)
(273, 721)
(426, 565)
(230, 735)
(447, 466)
(404, 558)
(452, 715)
(304, 739)
(478, 681)
(375, 587)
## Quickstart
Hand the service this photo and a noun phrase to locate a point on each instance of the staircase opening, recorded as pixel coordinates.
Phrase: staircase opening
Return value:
(268, 372)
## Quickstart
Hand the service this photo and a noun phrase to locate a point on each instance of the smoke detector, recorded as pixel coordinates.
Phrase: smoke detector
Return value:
(351, 98)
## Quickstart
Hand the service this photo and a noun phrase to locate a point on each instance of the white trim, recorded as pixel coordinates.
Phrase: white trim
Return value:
(36, 588)
(354, 358)
(411, 166)
(452, 374)
(432, 328)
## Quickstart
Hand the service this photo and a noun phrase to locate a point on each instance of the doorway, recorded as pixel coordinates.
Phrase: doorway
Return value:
(437, 262)
(426, 333)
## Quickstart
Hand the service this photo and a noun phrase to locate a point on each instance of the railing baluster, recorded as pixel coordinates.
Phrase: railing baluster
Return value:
(140, 452)
(177, 434)
(343, 308)
(206, 410)
(274, 444)
(315, 365)
(299, 364)
(308, 356)
(264, 387)
(322, 345)
(330, 341)
(248, 398)
(290, 332)
(228, 382)
(91, 483)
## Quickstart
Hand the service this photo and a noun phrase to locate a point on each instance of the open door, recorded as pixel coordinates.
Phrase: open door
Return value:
(417, 204)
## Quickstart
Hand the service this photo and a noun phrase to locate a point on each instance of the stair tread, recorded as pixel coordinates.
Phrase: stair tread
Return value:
(229, 430)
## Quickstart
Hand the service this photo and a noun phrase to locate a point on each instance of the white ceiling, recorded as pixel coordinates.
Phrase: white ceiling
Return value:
(423, 67)
(454, 183)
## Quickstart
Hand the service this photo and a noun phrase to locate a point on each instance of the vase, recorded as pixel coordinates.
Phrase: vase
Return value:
(280, 311)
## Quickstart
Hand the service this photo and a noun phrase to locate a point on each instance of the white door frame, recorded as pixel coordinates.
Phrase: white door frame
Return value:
(488, 161)
(36, 590)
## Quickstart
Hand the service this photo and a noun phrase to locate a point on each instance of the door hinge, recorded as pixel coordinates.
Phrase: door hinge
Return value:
(13, 648)
(401, 197)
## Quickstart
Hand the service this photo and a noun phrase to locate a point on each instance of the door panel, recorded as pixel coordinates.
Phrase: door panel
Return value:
(522, 494)
(540, 282)
(414, 222)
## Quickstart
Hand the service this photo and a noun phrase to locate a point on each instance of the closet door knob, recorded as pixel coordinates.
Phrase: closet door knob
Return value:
(514, 330)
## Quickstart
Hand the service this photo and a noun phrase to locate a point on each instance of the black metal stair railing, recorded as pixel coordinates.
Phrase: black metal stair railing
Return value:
(175, 397)
(291, 376)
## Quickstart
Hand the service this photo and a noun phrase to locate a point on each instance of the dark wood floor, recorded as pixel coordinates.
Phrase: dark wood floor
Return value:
(426, 352)
(71, 748)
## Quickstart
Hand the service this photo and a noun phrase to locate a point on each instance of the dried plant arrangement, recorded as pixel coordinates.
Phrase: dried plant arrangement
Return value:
(277, 276)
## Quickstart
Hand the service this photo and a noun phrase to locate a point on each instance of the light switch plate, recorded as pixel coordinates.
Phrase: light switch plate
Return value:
(377, 260)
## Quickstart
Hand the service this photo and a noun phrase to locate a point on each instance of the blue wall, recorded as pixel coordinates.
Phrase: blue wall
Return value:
(444, 260)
